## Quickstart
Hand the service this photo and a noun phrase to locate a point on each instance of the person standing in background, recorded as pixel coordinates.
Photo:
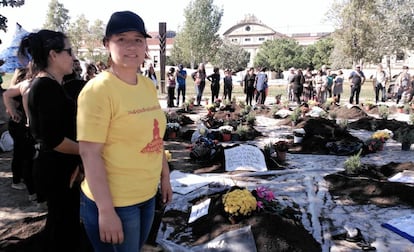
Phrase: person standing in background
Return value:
(120, 128)
(199, 78)
(338, 86)
(380, 82)
(308, 85)
(214, 78)
(227, 84)
(261, 86)
(403, 85)
(357, 79)
(150, 73)
(297, 86)
(249, 80)
(22, 161)
(181, 77)
(289, 84)
(170, 87)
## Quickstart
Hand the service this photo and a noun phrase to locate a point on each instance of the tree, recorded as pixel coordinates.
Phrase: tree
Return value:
(322, 50)
(57, 17)
(369, 30)
(94, 40)
(77, 32)
(231, 56)
(278, 54)
(198, 41)
(8, 3)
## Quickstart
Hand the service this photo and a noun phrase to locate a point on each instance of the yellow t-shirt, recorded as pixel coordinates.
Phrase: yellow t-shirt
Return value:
(129, 121)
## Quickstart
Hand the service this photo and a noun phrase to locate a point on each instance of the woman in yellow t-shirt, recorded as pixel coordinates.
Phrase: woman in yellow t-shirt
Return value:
(120, 127)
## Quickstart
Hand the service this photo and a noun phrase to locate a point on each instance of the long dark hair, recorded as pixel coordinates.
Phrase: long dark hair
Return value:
(36, 46)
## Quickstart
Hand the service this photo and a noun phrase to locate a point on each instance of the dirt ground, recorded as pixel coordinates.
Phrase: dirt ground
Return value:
(19, 233)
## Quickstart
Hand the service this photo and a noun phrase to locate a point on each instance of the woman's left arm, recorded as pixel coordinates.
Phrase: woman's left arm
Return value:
(166, 190)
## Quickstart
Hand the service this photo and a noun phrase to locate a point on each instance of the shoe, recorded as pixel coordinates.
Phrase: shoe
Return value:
(18, 186)
(32, 197)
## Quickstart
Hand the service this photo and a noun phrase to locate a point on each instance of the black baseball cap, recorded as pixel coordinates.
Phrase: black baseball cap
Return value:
(124, 21)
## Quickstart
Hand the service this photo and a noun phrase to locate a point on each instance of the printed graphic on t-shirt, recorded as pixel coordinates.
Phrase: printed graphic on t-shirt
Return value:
(157, 143)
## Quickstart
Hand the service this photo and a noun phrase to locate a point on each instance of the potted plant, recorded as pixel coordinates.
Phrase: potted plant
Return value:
(172, 130)
(405, 135)
(238, 203)
(226, 132)
(281, 147)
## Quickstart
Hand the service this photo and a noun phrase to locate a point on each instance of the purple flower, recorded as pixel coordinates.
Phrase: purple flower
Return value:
(269, 196)
(260, 205)
(261, 191)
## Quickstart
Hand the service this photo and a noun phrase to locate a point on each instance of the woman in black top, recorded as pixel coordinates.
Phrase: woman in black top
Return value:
(52, 117)
(214, 78)
(249, 80)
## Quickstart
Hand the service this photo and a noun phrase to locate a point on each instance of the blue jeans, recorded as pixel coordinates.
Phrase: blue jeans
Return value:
(136, 222)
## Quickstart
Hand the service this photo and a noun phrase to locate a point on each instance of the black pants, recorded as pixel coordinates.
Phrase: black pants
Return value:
(249, 96)
(215, 90)
(22, 161)
(355, 90)
(170, 100)
(200, 90)
(180, 90)
(379, 88)
(227, 92)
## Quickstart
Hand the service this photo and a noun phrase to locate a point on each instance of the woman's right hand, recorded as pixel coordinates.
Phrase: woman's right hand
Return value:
(110, 227)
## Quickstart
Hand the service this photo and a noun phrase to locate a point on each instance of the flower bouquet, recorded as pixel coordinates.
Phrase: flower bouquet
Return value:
(266, 200)
(239, 203)
(383, 135)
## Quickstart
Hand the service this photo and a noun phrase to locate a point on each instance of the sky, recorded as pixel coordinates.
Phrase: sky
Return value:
(285, 16)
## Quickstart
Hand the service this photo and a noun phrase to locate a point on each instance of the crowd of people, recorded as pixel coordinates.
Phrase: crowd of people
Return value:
(325, 83)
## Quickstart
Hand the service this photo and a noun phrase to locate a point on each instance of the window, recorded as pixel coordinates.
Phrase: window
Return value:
(247, 28)
(262, 39)
(247, 40)
(234, 40)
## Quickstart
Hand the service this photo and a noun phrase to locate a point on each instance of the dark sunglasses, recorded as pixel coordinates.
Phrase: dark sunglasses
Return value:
(68, 50)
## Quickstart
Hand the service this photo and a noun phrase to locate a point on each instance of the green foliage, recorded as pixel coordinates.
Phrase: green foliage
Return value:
(367, 30)
(353, 163)
(295, 114)
(8, 3)
(383, 111)
(404, 135)
(88, 36)
(319, 53)
(57, 17)
(231, 56)
(198, 41)
(279, 54)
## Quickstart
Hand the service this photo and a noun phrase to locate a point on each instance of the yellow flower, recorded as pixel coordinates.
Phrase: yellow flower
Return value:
(239, 202)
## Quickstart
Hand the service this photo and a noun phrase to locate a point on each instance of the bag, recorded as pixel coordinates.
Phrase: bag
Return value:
(205, 150)
(6, 141)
